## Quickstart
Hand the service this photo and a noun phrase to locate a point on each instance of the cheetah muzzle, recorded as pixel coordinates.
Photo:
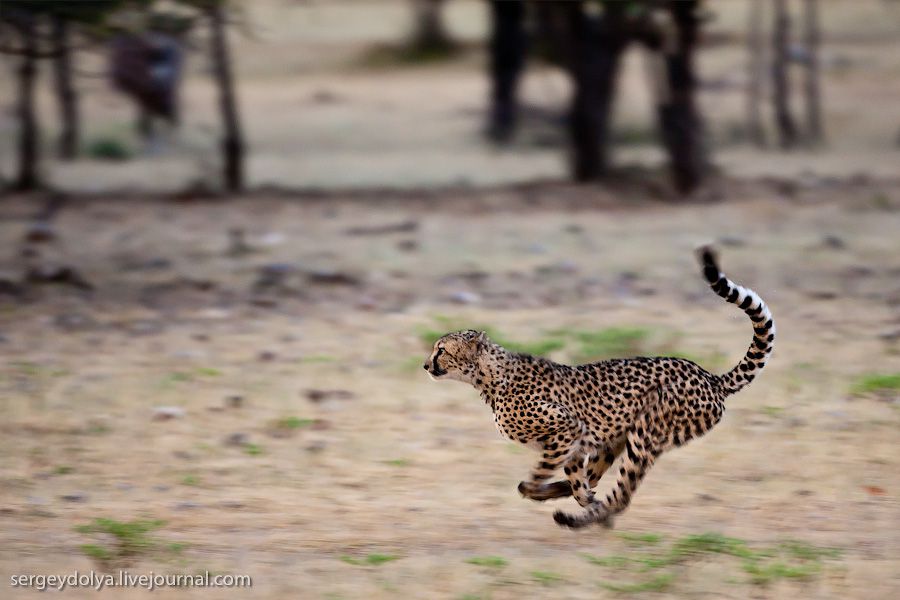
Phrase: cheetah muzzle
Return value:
(582, 418)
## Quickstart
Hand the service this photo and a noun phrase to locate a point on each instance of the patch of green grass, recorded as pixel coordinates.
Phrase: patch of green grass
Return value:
(97, 428)
(370, 560)
(607, 561)
(398, 462)
(612, 342)
(130, 539)
(63, 470)
(208, 371)
(547, 577)
(293, 423)
(35, 370)
(108, 148)
(640, 538)
(96, 552)
(633, 135)
(804, 551)
(178, 377)
(176, 547)
(876, 383)
(318, 359)
(772, 411)
(494, 562)
(786, 560)
(253, 449)
(190, 480)
(710, 543)
(654, 584)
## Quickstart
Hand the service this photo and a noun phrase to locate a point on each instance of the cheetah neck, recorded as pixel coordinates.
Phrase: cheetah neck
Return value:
(495, 369)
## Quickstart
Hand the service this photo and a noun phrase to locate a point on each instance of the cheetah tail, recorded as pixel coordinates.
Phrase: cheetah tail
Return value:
(763, 326)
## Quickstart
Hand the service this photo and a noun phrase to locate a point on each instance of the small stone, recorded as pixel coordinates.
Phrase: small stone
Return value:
(60, 274)
(833, 242)
(264, 302)
(732, 241)
(464, 297)
(186, 505)
(890, 335)
(367, 303)
(74, 497)
(234, 401)
(316, 396)
(794, 422)
(165, 413)
(273, 275)
(271, 238)
(266, 356)
(41, 231)
(408, 245)
(316, 447)
(236, 439)
(331, 277)
(237, 244)
(144, 327)
(73, 321)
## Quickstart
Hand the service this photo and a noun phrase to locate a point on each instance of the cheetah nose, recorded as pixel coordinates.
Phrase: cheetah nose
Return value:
(425, 366)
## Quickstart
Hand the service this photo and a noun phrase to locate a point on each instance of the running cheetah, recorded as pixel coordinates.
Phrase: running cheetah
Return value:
(582, 417)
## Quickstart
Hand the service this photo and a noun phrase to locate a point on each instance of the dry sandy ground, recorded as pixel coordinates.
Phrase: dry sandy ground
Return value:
(308, 494)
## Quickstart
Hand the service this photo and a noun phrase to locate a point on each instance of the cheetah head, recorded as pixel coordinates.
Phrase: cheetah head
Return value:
(456, 356)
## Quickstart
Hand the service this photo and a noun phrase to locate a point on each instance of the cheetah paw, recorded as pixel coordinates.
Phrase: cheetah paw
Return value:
(547, 491)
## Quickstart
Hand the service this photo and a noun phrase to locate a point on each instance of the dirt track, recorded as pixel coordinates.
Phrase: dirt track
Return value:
(395, 466)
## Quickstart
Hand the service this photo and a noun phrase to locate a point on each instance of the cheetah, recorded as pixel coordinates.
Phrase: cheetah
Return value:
(581, 418)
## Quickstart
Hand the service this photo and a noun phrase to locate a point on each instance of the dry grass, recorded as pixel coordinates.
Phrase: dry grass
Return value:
(341, 471)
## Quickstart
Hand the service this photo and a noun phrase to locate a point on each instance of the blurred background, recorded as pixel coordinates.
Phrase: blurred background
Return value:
(232, 230)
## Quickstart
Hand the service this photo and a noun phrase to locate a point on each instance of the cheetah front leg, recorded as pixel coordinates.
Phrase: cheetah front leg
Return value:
(640, 455)
(599, 461)
(560, 445)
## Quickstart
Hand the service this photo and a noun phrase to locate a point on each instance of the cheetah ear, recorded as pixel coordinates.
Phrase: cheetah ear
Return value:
(481, 341)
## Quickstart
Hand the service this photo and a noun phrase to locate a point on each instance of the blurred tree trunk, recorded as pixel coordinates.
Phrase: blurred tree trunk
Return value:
(29, 132)
(680, 123)
(508, 48)
(598, 44)
(781, 95)
(429, 32)
(65, 91)
(812, 90)
(232, 140)
(755, 73)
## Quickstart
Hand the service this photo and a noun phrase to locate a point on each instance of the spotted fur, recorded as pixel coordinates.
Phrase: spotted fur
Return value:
(581, 418)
